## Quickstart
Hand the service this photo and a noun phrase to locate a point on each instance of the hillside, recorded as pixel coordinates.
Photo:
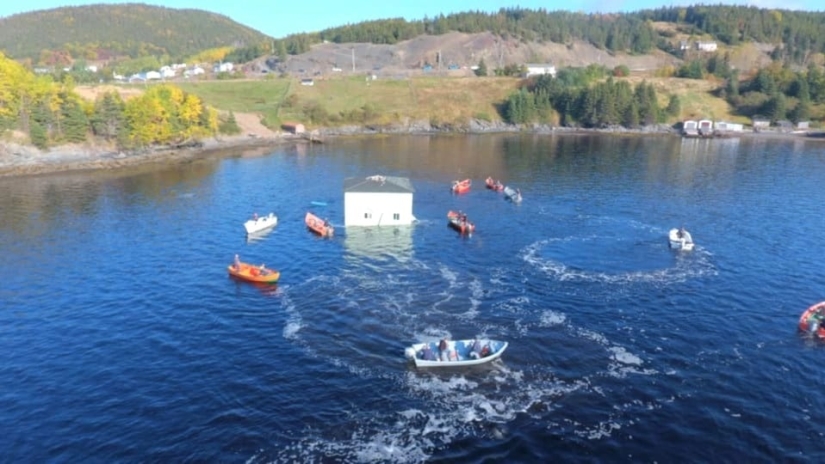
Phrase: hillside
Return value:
(98, 32)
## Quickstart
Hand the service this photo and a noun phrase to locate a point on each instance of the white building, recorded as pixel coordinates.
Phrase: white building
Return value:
(706, 46)
(152, 76)
(167, 72)
(378, 201)
(223, 67)
(534, 69)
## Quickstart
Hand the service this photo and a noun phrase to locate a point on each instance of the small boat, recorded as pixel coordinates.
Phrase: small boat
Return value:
(319, 226)
(448, 353)
(251, 273)
(260, 223)
(680, 239)
(461, 186)
(318, 203)
(512, 194)
(811, 321)
(495, 185)
(458, 221)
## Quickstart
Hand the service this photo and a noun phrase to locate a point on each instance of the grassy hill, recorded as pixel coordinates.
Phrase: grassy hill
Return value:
(101, 31)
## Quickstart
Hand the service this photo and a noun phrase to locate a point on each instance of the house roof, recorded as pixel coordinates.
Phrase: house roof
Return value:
(378, 184)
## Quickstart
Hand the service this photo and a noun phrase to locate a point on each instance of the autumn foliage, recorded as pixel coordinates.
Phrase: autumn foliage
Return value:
(53, 114)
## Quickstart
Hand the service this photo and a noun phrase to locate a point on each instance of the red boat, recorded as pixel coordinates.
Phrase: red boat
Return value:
(461, 186)
(458, 221)
(494, 184)
(318, 225)
(812, 320)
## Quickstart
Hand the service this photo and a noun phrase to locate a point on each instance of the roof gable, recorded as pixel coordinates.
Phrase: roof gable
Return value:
(378, 184)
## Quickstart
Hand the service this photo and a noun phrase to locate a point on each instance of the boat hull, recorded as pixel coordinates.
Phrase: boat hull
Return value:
(250, 273)
(680, 243)
(463, 227)
(260, 224)
(318, 225)
(512, 194)
(459, 353)
(494, 184)
(811, 321)
(461, 186)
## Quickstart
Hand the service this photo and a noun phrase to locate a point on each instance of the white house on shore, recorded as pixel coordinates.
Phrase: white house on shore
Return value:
(378, 201)
(540, 69)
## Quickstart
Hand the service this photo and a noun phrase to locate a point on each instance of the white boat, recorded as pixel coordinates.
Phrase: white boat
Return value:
(260, 223)
(680, 239)
(455, 353)
(512, 194)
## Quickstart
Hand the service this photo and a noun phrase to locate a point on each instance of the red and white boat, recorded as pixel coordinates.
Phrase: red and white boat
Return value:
(812, 320)
(319, 226)
(458, 221)
(494, 184)
(461, 186)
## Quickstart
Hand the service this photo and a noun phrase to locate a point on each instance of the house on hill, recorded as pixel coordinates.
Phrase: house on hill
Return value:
(538, 69)
(378, 201)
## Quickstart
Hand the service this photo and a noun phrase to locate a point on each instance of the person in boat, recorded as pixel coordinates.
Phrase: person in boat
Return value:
(237, 263)
(427, 354)
(681, 233)
(486, 351)
(262, 270)
(254, 216)
(475, 350)
(444, 352)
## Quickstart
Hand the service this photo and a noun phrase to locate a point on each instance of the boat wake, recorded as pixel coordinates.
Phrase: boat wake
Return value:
(360, 322)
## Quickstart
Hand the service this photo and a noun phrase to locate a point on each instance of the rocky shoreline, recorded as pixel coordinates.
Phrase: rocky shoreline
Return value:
(22, 160)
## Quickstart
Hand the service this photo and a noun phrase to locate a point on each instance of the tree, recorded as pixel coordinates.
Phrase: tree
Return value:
(674, 106)
(481, 71)
(229, 126)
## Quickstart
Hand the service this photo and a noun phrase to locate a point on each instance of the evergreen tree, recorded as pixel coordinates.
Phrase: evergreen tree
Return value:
(75, 122)
(674, 106)
(229, 125)
(38, 135)
(481, 71)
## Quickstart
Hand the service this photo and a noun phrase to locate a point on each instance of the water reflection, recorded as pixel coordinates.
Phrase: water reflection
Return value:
(379, 242)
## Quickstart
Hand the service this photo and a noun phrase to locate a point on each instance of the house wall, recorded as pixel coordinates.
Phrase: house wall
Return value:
(380, 207)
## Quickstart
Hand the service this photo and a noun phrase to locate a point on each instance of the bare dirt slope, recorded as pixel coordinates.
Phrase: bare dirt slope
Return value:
(455, 53)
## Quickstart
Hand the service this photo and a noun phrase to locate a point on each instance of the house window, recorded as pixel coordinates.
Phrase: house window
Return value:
(396, 216)
(367, 215)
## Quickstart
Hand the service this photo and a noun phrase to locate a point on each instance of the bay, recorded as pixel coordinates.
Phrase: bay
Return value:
(123, 338)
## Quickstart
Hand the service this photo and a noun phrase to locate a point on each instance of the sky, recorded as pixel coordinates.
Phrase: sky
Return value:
(279, 18)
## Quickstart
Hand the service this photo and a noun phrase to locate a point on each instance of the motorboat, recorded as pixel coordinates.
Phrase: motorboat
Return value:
(512, 194)
(260, 223)
(458, 221)
(320, 226)
(455, 353)
(495, 185)
(461, 186)
(252, 273)
(680, 239)
(811, 321)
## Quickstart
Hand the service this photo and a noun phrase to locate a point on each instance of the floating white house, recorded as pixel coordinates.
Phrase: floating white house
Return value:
(378, 201)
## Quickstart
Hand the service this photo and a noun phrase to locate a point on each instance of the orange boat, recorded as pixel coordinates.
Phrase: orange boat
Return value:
(318, 225)
(258, 274)
(458, 221)
(461, 186)
(812, 320)
(494, 184)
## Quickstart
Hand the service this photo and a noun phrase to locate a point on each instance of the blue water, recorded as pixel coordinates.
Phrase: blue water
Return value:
(123, 338)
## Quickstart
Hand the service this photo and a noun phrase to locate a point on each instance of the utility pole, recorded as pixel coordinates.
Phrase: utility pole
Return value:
(353, 59)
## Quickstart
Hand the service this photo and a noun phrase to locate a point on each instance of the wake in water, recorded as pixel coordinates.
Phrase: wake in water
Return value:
(360, 322)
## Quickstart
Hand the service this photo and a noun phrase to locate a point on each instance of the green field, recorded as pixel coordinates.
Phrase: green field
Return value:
(358, 100)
